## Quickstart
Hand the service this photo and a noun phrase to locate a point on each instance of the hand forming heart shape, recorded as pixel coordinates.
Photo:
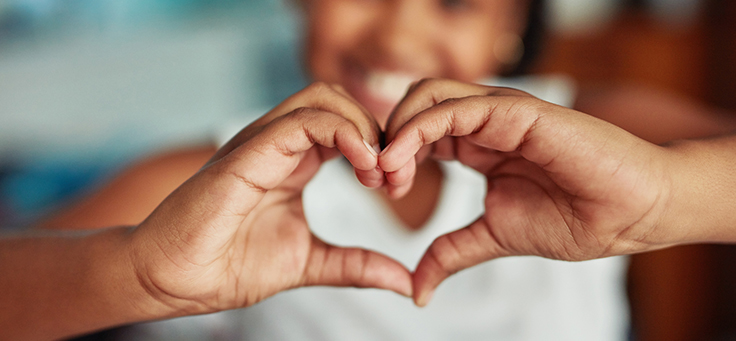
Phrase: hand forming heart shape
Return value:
(258, 242)
(544, 197)
(561, 185)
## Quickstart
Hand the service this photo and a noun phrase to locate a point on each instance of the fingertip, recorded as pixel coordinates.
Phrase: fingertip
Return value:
(373, 149)
(397, 192)
(429, 274)
(386, 149)
(397, 154)
(386, 273)
(401, 180)
(406, 289)
(372, 183)
(419, 282)
(387, 160)
(372, 178)
(360, 154)
(423, 298)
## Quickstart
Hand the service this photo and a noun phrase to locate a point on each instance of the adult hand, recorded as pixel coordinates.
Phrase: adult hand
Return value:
(561, 184)
(236, 234)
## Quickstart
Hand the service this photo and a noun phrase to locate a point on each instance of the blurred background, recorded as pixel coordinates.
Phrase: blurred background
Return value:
(88, 86)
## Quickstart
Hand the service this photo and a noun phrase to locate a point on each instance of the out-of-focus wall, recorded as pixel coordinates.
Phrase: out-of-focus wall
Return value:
(96, 80)
(86, 86)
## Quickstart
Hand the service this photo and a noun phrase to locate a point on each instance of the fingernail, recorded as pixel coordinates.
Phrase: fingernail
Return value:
(387, 147)
(371, 149)
(377, 148)
(424, 300)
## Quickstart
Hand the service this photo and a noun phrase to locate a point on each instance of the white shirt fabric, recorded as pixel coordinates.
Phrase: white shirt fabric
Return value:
(517, 298)
(520, 298)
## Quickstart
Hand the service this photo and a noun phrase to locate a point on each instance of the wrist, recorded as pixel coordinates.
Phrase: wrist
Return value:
(703, 191)
(653, 198)
(116, 282)
(58, 286)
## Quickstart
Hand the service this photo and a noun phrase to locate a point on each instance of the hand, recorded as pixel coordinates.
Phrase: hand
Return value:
(236, 234)
(561, 184)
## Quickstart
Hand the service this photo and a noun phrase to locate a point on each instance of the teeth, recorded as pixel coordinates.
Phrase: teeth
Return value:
(389, 86)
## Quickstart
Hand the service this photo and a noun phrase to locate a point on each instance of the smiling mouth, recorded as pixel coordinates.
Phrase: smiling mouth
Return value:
(388, 86)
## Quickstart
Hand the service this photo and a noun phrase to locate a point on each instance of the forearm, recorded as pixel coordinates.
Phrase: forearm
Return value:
(134, 194)
(654, 115)
(62, 286)
(703, 198)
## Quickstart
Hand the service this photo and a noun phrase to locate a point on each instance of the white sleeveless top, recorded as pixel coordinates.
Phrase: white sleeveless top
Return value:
(516, 298)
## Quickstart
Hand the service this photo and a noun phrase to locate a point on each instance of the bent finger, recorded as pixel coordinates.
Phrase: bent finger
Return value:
(372, 178)
(329, 98)
(354, 267)
(232, 186)
(430, 92)
(495, 122)
(451, 253)
(400, 182)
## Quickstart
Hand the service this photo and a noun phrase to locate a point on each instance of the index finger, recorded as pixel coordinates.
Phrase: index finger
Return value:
(498, 122)
(330, 98)
(429, 92)
(317, 96)
(233, 185)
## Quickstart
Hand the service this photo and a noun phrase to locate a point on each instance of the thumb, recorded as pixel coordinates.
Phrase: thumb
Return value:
(336, 266)
(451, 253)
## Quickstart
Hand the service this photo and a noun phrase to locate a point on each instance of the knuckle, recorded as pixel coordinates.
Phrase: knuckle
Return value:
(338, 88)
(505, 91)
(301, 113)
(449, 101)
(355, 265)
(425, 83)
(444, 255)
(319, 87)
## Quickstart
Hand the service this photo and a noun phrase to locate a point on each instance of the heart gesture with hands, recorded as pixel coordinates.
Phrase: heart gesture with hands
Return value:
(561, 184)
(257, 241)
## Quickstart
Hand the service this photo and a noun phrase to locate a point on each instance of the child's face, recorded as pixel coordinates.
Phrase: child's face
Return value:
(375, 48)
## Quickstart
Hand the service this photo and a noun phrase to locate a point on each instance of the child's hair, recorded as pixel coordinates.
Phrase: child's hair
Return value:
(533, 38)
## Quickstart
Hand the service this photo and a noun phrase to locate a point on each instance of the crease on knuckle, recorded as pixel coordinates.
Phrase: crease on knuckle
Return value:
(354, 267)
(247, 182)
(530, 130)
(362, 268)
(319, 87)
(444, 253)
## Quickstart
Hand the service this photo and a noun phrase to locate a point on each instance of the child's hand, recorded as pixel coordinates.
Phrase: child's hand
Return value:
(327, 98)
(561, 184)
(236, 234)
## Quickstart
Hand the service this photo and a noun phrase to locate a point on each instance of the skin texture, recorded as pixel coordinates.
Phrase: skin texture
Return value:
(561, 184)
(229, 237)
